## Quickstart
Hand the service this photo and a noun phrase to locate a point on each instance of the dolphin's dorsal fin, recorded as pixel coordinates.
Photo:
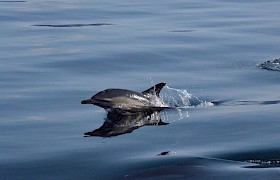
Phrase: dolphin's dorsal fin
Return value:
(155, 89)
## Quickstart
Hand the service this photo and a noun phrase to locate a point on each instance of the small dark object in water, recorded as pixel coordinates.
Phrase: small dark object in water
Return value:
(183, 30)
(164, 153)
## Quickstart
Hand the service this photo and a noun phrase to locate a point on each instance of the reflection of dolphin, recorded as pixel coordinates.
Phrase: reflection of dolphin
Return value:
(116, 124)
(122, 100)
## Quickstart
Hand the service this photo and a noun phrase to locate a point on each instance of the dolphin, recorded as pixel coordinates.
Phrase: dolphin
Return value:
(123, 100)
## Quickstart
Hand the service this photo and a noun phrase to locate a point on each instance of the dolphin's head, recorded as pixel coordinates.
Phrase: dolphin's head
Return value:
(87, 101)
(101, 96)
(103, 99)
(101, 103)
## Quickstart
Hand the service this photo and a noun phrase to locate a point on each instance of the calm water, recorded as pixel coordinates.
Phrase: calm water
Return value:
(56, 53)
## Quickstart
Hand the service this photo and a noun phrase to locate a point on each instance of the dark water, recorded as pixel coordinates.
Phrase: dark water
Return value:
(56, 53)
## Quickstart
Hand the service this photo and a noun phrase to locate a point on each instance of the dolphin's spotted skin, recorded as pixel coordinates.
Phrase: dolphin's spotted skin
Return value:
(127, 100)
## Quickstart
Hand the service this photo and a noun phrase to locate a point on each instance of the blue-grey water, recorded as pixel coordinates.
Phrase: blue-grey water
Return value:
(56, 53)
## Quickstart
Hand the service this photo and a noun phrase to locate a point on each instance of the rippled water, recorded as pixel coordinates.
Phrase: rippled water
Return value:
(56, 53)
(273, 65)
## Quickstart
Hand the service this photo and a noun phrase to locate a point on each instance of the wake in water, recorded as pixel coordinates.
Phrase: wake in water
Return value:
(181, 98)
(71, 25)
(273, 65)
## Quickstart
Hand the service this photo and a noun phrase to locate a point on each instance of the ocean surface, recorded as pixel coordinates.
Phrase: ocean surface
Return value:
(218, 58)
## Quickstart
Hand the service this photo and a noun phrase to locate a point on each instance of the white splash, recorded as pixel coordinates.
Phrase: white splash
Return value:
(181, 98)
(157, 101)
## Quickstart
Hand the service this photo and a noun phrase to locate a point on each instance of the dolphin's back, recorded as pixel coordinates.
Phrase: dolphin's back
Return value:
(121, 98)
(113, 93)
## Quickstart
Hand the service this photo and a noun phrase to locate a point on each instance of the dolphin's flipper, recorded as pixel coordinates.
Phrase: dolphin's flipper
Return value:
(155, 89)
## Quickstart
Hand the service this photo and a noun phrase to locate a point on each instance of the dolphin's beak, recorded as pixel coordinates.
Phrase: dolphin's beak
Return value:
(87, 101)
